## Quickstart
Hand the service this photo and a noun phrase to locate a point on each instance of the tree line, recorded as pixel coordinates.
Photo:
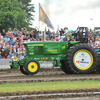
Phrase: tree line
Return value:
(16, 14)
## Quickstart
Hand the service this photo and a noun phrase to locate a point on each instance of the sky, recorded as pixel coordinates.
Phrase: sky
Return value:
(71, 13)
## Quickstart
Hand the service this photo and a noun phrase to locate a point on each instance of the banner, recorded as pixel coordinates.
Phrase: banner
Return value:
(44, 18)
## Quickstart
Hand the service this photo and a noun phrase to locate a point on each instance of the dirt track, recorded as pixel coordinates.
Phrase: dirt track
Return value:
(13, 76)
(10, 76)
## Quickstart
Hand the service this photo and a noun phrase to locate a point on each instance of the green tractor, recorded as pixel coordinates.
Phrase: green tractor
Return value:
(74, 57)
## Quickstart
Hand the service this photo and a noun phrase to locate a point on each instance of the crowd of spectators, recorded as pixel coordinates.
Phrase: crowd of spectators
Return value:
(11, 42)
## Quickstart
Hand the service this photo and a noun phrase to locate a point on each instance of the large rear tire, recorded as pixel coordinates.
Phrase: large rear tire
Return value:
(81, 58)
(32, 66)
(64, 67)
(98, 65)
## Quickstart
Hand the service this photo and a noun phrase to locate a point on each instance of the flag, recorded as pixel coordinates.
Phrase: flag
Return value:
(41, 14)
(44, 18)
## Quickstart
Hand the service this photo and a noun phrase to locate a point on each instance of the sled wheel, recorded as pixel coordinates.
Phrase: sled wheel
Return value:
(22, 69)
(81, 58)
(32, 66)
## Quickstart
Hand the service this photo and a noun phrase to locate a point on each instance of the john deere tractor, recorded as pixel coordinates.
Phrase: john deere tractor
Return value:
(74, 57)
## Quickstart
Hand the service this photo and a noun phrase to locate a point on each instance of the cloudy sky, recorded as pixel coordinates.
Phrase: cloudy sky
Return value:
(71, 13)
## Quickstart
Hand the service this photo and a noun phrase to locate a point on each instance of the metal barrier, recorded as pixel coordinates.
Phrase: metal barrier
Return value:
(4, 63)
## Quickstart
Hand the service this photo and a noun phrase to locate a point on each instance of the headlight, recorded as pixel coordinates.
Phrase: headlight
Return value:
(15, 59)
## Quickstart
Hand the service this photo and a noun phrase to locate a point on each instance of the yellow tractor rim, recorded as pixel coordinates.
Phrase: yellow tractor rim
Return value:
(82, 66)
(24, 68)
(32, 66)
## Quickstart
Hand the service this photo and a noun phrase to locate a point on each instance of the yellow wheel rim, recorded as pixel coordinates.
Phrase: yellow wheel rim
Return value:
(83, 59)
(24, 68)
(32, 66)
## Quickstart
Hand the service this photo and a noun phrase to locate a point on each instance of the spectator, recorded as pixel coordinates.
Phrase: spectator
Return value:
(20, 38)
(99, 45)
(52, 39)
(22, 53)
(36, 33)
(61, 32)
(48, 33)
(40, 35)
(16, 46)
(96, 34)
(31, 39)
(7, 37)
(66, 38)
(12, 42)
(27, 34)
(58, 37)
(25, 38)
(37, 39)
(28, 38)
(15, 30)
(90, 34)
(62, 36)
(1, 40)
(96, 41)
(91, 38)
(14, 38)
(91, 43)
(22, 30)
(31, 34)
(2, 47)
(5, 53)
(41, 39)
(12, 50)
(7, 46)
(16, 34)
(51, 35)
(3, 33)
(10, 33)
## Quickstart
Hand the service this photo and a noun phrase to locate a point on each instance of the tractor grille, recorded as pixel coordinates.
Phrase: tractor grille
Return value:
(38, 50)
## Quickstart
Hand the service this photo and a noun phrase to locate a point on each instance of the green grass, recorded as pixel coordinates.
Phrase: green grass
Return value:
(60, 85)
(51, 67)
(4, 68)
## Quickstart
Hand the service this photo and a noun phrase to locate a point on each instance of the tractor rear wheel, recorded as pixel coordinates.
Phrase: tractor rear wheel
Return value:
(98, 65)
(81, 58)
(22, 69)
(64, 67)
(32, 66)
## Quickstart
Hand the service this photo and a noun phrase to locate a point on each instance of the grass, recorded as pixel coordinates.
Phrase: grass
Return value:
(51, 67)
(4, 68)
(40, 86)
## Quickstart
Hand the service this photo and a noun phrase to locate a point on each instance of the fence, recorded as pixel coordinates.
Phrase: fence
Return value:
(4, 63)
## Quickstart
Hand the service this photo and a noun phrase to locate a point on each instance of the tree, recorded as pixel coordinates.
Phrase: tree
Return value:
(65, 28)
(28, 8)
(11, 15)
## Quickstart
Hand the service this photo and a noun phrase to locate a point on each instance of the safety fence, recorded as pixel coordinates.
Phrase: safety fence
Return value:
(4, 63)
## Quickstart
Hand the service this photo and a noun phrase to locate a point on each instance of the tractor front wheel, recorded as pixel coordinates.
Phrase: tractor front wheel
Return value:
(22, 69)
(32, 66)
